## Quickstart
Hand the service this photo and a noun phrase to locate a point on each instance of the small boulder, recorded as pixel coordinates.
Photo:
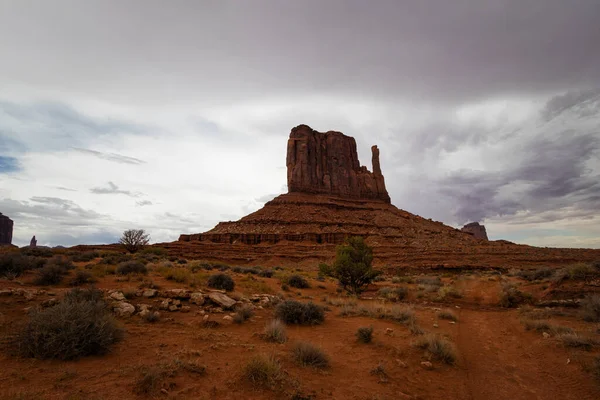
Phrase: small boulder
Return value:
(177, 294)
(221, 299)
(228, 318)
(197, 298)
(148, 293)
(123, 309)
(427, 365)
(185, 309)
(118, 296)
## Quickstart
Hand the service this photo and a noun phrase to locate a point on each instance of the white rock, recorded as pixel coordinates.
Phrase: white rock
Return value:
(123, 309)
(221, 299)
(117, 296)
(150, 293)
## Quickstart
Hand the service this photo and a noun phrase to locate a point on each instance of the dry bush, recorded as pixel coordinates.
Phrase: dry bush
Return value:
(50, 274)
(262, 370)
(243, 314)
(379, 371)
(590, 308)
(134, 240)
(294, 312)
(179, 275)
(14, 264)
(221, 281)
(82, 278)
(579, 272)
(365, 334)
(447, 314)
(574, 340)
(393, 294)
(275, 331)
(307, 354)
(595, 368)
(512, 297)
(535, 274)
(430, 280)
(78, 326)
(152, 317)
(131, 267)
(85, 256)
(438, 348)
(297, 281)
(545, 326)
(448, 291)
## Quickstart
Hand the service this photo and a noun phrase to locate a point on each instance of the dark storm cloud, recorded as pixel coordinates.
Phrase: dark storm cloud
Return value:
(433, 50)
(112, 188)
(111, 156)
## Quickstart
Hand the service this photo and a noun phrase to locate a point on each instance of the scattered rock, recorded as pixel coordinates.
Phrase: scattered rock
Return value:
(436, 326)
(185, 309)
(177, 294)
(228, 318)
(197, 298)
(150, 293)
(49, 303)
(389, 331)
(123, 309)
(401, 363)
(426, 364)
(546, 335)
(221, 299)
(6, 292)
(119, 296)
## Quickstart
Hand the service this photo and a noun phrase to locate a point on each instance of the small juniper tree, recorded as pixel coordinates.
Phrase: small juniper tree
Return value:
(352, 265)
(134, 239)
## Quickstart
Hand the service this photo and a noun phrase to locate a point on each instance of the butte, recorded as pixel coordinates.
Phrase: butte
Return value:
(331, 197)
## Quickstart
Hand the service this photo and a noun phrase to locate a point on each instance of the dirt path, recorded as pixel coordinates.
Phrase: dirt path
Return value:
(503, 361)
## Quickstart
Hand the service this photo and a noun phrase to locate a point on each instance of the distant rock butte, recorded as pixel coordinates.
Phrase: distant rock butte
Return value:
(327, 163)
(6, 230)
(475, 229)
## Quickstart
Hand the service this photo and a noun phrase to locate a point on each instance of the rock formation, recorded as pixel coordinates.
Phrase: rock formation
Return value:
(327, 163)
(6, 230)
(33, 242)
(475, 229)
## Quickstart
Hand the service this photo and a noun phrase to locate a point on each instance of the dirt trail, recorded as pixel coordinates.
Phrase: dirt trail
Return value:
(502, 361)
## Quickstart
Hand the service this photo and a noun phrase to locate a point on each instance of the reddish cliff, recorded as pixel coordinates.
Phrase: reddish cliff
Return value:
(474, 228)
(6, 230)
(327, 163)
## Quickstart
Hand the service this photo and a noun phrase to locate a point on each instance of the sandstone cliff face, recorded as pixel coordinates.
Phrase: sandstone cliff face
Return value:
(475, 229)
(6, 230)
(327, 163)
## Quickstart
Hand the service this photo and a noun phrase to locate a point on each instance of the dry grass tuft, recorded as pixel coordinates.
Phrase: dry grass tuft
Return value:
(262, 370)
(275, 331)
(438, 348)
(447, 314)
(307, 354)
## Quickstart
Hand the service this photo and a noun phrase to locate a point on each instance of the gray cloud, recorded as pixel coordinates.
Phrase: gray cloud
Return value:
(56, 210)
(143, 203)
(111, 156)
(435, 50)
(112, 188)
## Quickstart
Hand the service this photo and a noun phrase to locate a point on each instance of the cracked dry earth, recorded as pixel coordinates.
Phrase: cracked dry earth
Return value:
(496, 357)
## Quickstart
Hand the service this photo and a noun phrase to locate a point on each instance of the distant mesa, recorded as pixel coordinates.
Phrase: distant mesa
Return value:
(6, 230)
(475, 229)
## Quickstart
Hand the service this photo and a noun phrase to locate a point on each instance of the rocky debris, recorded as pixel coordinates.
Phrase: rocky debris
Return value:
(221, 299)
(185, 309)
(33, 242)
(327, 163)
(116, 295)
(426, 364)
(228, 318)
(197, 298)
(148, 293)
(181, 294)
(475, 229)
(144, 309)
(123, 309)
(6, 230)
(559, 303)
(6, 292)
(546, 335)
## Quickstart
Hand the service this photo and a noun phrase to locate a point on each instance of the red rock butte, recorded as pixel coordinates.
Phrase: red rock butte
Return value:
(331, 197)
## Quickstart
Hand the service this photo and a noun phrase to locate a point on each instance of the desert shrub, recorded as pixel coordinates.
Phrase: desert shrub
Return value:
(545, 326)
(393, 294)
(448, 291)
(325, 270)
(182, 261)
(294, 312)
(82, 277)
(447, 314)
(438, 348)
(574, 340)
(221, 281)
(266, 273)
(595, 368)
(237, 270)
(251, 271)
(179, 275)
(535, 274)
(352, 265)
(156, 251)
(430, 280)
(285, 287)
(243, 314)
(73, 328)
(298, 282)
(15, 264)
(44, 252)
(86, 256)
(114, 258)
(134, 240)
(379, 278)
(131, 267)
(512, 297)
(152, 316)
(307, 354)
(50, 274)
(262, 370)
(275, 331)
(78, 295)
(365, 334)
(590, 308)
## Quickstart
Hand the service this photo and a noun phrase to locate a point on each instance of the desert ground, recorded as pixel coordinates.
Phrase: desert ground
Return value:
(436, 334)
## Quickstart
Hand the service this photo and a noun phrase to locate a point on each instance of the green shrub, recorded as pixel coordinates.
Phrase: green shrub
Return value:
(221, 281)
(307, 354)
(50, 274)
(512, 297)
(325, 270)
(82, 277)
(262, 370)
(44, 252)
(114, 258)
(365, 334)
(352, 265)
(15, 264)
(267, 273)
(275, 331)
(438, 348)
(294, 312)
(590, 308)
(73, 328)
(86, 256)
(131, 267)
(298, 282)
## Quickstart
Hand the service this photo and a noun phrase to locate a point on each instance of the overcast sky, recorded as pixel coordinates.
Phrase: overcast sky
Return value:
(174, 115)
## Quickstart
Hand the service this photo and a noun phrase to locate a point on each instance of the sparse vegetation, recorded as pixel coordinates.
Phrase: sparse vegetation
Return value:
(221, 281)
(134, 240)
(262, 370)
(14, 264)
(82, 277)
(152, 316)
(294, 312)
(131, 267)
(365, 334)
(536, 274)
(77, 326)
(438, 348)
(352, 266)
(393, 294)
(243, 314)
(54, 271)
(85, 256)
(577, 341)
(545, 326)
(512, 297)
(307, 354)
(590, 308)
(447, 314)
(448, 292)
(579, 272)
(297, 281)
(275, 331)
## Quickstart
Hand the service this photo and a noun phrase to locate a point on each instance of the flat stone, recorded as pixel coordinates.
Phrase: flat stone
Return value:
(150, 293)
(117, 296)
(221, 299)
